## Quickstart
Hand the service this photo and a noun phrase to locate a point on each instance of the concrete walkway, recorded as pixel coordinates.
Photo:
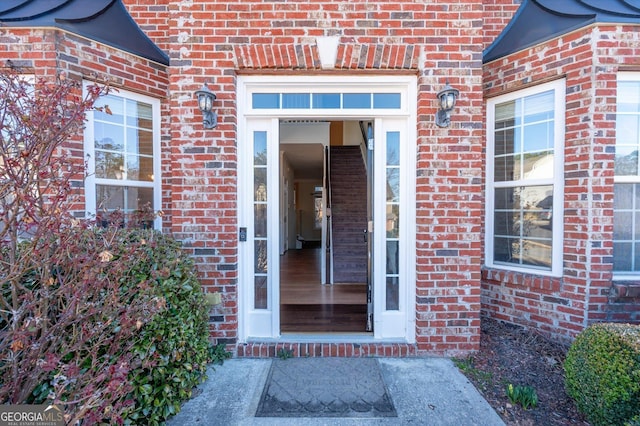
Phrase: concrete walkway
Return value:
(425, 391)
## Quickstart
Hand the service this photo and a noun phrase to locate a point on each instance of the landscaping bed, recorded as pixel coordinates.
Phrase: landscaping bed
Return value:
(513, 355)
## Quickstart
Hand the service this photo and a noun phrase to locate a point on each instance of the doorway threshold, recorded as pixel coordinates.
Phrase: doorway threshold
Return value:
(325, 345)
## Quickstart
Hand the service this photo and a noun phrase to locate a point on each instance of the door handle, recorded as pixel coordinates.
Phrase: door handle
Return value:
(365, 235)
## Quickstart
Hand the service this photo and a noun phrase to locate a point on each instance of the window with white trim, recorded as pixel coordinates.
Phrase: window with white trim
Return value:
(525, 140)
(122, 144)
(626, 200)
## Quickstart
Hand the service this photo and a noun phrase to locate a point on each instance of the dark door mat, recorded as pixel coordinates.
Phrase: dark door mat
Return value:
(325, 387)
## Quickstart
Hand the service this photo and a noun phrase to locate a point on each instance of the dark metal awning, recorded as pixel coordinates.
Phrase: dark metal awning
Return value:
(105, 21)
(540, 20)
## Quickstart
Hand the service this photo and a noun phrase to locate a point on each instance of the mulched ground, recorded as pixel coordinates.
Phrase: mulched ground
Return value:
(511, 354)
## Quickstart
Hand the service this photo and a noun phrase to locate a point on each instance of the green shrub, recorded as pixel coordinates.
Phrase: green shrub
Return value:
(173, 347)
(635, 421)
(141, 343)
(602, 373)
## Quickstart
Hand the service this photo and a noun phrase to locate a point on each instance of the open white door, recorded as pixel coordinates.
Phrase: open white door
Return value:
(393, 248)
(258, 199)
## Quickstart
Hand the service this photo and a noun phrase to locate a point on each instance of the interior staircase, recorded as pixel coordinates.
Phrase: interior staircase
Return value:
(348, 214)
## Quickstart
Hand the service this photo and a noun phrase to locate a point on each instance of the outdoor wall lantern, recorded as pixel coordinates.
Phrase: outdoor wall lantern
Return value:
(205, 103)
(447, 98)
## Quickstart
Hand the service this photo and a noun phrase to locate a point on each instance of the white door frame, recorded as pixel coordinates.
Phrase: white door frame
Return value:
(265, 323)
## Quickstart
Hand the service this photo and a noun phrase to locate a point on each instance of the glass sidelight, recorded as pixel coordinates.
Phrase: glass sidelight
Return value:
(260, 219)
(392, 273)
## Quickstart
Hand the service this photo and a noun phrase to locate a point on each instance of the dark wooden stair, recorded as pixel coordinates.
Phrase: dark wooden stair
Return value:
(348, 214)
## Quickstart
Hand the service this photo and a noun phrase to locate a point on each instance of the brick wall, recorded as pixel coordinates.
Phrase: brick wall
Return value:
(497, 14)
(152, 17)
(47, 53)
(213, 41)
(589, 59)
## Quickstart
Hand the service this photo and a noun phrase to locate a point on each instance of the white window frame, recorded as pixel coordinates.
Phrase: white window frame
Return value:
(558, 86)
(626, 275)
(89, 149)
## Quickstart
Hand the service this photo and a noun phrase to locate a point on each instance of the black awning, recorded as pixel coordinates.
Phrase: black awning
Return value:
(105, 21)
(540, 20)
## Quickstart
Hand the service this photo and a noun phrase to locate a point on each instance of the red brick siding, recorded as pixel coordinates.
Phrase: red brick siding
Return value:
(589, 59)
(497, 14)
(47, 53)
(213, 40)
(152, 17)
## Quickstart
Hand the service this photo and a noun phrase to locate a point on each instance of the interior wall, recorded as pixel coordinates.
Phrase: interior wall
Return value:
(352, 135)
(305, 210)
(287, 206)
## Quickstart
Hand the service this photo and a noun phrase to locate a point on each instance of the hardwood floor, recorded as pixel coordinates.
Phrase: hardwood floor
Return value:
(308, 306)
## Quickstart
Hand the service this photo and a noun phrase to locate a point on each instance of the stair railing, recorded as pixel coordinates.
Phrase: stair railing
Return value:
(328, 217)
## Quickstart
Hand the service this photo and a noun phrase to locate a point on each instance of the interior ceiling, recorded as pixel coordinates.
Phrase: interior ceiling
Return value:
(305, 159)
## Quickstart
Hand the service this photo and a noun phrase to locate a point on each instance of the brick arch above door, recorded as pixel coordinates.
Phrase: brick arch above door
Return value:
(306, 56)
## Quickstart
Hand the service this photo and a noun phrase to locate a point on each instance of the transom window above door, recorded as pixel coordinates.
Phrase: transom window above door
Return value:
(326, 101)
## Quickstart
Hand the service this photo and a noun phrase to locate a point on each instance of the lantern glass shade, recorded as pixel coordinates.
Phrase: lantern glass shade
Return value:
(447, 98)
(205, 98)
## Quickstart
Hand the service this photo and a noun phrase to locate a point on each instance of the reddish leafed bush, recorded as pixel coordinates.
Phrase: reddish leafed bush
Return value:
(67, 310)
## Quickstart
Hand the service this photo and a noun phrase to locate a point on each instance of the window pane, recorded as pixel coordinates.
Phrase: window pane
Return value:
(623, 196)
(140, 168)
(536, 253)
(538, 166)
(108, 136)
(626, 162)
(502, 249)
(538, 137)
(386, 100)
(505, 114)
(139, 141)
(538, 107)
(393, 294)
(623, 256)
(109, 165)
(356, 100)
(112, 109)
(296, 100)
(622, 225)
(504, 198)
(326, 100)
(260, 148)
(629, 96)
(139, 114)
(523, 225)
(393, 220)
(393, 185)
(505, 168)
(504, 142)
(139, 198)
(627, 129)
(261, 256)
(393, 148)
(260, 184)
(260, 220)
(109, 198)
(260, 292)
(393, 267)
(265, 100)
